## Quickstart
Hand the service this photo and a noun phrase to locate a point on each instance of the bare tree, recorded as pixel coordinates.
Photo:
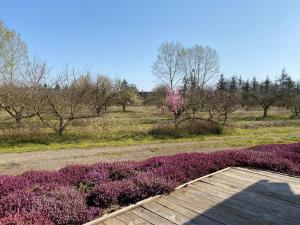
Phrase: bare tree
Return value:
(265, 95)
(201, 64)
(157, 95)
(17, 96)
(13, 54)
(220, 104)
(128, 95)
(193, 96)
(103, 91)
(295, 105)
(168, 65)
(64, 101)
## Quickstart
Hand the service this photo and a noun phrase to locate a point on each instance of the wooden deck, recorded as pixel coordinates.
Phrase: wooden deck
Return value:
(234, 196)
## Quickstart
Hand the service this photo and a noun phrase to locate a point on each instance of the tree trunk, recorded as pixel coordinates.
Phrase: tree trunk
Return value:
(176, 124)
(296, 111)
(225, 118)
(98, 111)
(18, 119)
(194, 113)
(265, 112)
(61, 127)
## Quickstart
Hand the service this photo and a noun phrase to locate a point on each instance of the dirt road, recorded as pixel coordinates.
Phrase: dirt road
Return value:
(16, 163)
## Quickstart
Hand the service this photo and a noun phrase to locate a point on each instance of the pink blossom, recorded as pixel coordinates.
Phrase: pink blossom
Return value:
(174, 101)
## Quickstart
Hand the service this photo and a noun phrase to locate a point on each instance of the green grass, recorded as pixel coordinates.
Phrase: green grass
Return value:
(118, 128)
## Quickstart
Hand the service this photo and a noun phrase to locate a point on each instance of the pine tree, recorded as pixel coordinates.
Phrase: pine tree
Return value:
(222, 84)
(286, 87)
(246, 86)
(240, 83)
(254, 84)
(233, 87)
(245, 99)
(266, 84)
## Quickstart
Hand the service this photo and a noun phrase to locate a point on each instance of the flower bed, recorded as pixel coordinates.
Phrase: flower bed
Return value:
(76, 194)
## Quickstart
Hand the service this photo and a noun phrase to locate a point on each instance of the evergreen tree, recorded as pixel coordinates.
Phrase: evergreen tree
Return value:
(287, 89)
(233, 86)
(285, 81)
(266, 84)
(57, 87)
(254, 84)
(245, 99)
(222, 84)
(297, 88)
(246, 86)
(240, 83)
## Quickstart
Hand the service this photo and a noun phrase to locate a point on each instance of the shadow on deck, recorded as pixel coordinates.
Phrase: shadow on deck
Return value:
(264, 202)
(234, 196)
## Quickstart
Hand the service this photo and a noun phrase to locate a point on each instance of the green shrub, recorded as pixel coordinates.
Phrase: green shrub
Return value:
(164, 129)
(192, 127)
(199, 127)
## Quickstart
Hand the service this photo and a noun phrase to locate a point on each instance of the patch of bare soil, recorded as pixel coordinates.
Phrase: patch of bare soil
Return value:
(16, 163)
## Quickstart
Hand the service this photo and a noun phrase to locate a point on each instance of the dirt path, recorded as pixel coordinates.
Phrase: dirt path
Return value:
(16, 163)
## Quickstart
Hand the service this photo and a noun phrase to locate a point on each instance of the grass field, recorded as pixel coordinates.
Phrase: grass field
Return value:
(117, 128)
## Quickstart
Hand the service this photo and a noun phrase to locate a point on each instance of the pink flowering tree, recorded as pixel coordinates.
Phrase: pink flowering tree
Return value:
(174, 104)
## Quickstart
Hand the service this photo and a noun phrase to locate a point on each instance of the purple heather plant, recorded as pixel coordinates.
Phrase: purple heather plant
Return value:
(33, 218)
(76, 194)
(105, 194)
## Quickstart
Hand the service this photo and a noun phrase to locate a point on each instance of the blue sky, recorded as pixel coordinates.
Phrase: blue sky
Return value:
(120, 37)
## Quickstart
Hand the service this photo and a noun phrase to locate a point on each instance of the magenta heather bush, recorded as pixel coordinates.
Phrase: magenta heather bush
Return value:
(19, 201)
(129, 192)
(94, 177)
(76, 194)
(120, 171)
(149, 184)
(33, 218)
(61, 205)
(105, 194)
(73, 174)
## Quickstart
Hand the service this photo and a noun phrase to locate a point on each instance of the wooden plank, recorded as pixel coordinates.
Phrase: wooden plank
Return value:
(195, 216)
(203, 177)
(150, 216)
(235, 196)
(176, 208)
(267, 174)
(281, 191)
(229, 191)
(247, 179)
(253, 201)
(119, 211)
(258, 177)
(131, 219)
(238, 207)
(113, 221)
(229, 210)
(218, 216)
(167, 213)
(122, 210)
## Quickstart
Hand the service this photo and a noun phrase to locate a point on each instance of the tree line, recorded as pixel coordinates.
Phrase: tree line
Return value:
(283, 92)
(187, 75)
(28, 89)
(193, 85)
